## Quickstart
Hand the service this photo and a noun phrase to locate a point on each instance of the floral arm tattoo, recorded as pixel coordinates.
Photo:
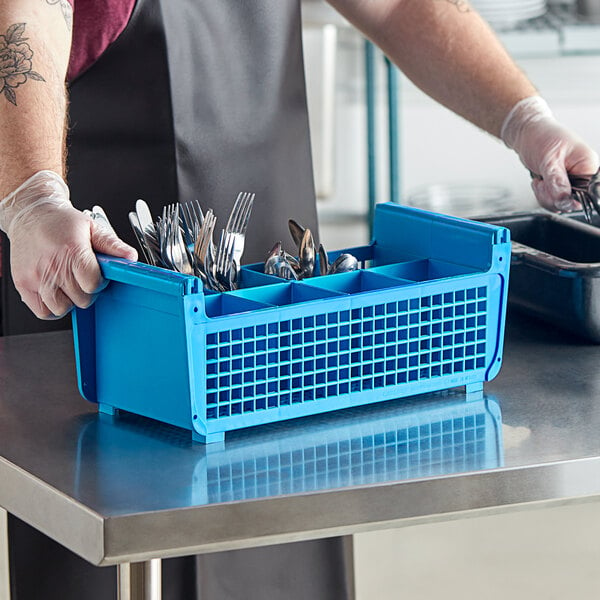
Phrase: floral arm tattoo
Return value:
(15, 62)
(66, 10)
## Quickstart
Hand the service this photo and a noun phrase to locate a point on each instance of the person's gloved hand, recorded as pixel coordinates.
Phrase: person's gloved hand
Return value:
(548, 150)
(52, 247)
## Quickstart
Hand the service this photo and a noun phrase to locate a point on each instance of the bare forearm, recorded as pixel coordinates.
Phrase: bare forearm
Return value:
(448, 51)
(34, 53)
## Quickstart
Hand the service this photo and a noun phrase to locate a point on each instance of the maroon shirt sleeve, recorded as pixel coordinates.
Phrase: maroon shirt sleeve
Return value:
(96, 25)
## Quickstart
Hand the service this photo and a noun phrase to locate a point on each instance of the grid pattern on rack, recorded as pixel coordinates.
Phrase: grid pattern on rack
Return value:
(312, 358)
(446, 446)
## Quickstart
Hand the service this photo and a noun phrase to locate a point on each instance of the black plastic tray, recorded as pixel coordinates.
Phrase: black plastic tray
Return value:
(555, 269)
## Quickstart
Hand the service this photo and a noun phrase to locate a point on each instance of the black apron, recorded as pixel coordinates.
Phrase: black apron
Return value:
(196, 99)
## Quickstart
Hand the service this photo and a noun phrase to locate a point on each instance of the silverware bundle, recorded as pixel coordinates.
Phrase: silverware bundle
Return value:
(182, 240)
(282, 264)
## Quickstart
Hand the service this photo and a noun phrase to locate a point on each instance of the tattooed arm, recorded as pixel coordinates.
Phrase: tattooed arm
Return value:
(34, 54)
(52, 245)
(448, 51)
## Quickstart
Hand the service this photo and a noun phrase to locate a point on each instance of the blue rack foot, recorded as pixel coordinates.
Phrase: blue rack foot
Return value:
(209, 438)
(107, 409)
(474, 391)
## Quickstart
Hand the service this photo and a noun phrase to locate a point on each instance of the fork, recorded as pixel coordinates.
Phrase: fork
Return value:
(237, 225)
(231, 242)
(192, 218)
(225, 268)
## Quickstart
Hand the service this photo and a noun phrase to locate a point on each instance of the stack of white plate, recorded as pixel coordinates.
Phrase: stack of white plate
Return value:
(509, 12)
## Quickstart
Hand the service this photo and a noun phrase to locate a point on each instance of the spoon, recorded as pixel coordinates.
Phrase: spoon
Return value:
(323, 261)
(307, 254)
(297, 231)
(272, 260)
(344, 263)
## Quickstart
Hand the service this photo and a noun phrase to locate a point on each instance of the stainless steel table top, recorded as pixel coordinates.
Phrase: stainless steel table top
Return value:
(119, 489)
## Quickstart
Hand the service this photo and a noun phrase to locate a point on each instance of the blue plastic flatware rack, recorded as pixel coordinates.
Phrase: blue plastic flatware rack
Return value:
(425, 312)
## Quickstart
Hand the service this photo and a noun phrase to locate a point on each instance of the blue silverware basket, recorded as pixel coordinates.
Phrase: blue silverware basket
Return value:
(425, 312)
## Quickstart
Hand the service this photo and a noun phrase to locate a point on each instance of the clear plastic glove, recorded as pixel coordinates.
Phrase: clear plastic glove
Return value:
(52, 247)
(549, 151)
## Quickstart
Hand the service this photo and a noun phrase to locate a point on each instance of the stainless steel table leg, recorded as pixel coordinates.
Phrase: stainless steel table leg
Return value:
(4, 567)
(140, 581)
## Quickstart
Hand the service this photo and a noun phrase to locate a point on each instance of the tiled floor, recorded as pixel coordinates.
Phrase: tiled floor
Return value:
(545, 554)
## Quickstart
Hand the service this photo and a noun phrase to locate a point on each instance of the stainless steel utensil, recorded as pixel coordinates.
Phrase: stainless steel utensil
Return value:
(323, 261)
(307, 253)
(149, 230)
(193, 218)
(139, 236)
(293, 262)
(344, 263)
(188, 227)
(296, 231)
(237, 225)
(585, 189)
(203, 250)
(182, 240)
(177, 248)
(97, 213)
(285, 269)
(272, 259)
(162, 229)
(224, 268)
(144, 215)
(281, 264)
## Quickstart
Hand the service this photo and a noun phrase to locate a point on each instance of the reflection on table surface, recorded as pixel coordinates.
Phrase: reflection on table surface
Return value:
(128, 462)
